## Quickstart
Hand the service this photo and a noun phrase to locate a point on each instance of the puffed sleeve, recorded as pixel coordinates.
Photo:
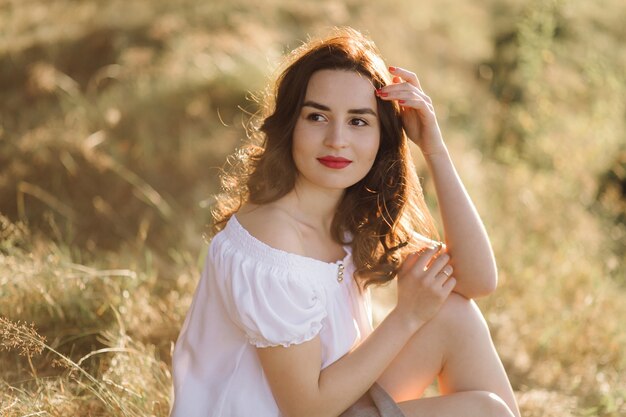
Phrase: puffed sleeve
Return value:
(273, 305)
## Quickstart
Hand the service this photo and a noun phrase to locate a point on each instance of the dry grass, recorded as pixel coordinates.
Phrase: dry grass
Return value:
(114, 116)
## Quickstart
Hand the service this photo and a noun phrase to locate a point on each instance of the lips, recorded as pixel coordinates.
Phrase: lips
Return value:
(335, 162)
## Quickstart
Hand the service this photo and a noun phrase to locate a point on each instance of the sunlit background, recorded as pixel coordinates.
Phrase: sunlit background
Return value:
(115, 117)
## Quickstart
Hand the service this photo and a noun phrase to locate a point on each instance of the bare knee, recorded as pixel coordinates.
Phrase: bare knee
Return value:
(458, 321)
(458, 311)
(457, 316)
(490, 404)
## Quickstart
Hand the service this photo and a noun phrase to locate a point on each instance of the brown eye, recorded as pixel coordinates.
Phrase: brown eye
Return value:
(316, 117)
(358, 122)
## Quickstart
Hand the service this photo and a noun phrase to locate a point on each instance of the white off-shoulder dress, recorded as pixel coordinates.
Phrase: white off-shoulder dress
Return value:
(252, 295)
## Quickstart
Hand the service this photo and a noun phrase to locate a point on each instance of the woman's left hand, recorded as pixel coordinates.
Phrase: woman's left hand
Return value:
(418, 114)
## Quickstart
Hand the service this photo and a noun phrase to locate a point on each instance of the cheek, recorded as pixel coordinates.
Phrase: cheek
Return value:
(297, 139)
(298, 145)
(301, 150)
(370, 147)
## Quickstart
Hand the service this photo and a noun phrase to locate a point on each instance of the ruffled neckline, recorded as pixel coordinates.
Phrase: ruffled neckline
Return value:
(254, 246)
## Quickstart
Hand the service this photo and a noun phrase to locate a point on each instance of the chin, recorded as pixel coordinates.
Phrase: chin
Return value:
(333, 183)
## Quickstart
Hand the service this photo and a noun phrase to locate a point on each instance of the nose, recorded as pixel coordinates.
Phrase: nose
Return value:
(336, 137)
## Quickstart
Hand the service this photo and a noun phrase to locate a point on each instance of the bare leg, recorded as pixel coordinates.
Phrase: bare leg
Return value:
(462, 404)
(456, 347)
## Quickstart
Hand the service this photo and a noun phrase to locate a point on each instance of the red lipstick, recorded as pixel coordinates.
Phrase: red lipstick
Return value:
(335, 162)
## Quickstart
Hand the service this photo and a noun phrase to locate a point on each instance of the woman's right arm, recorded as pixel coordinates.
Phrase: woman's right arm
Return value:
(293, 372)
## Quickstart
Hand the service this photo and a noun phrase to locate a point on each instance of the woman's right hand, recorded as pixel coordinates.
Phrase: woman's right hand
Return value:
(424, 283)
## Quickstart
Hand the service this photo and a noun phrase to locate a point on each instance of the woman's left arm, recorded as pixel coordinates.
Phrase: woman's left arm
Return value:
(465, 236)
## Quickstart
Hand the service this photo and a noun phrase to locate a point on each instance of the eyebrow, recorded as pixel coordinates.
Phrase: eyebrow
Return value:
(364, 110)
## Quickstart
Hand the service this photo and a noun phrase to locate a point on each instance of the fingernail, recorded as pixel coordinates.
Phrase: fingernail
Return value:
(392, 69)
(378, 91)
(384, 94)
(401, 101)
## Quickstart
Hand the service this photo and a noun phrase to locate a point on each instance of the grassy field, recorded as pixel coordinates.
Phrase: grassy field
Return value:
(116, 116)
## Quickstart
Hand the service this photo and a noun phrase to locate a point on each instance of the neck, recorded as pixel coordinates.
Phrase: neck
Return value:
(314, 206)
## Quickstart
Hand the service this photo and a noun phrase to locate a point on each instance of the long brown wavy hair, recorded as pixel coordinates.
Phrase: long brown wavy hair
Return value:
(383, 210)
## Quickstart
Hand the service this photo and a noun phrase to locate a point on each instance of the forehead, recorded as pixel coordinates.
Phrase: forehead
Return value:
(342, 87)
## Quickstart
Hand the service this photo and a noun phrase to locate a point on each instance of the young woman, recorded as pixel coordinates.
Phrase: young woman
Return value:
(327, 204)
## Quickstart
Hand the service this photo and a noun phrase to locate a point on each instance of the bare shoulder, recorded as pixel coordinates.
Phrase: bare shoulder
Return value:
(273, 226)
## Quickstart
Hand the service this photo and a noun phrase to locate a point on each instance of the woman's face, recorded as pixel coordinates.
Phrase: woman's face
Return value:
(337, 134)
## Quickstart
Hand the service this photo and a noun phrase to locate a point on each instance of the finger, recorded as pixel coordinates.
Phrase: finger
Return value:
(440, 251)
(417, 105)
(425, 257)
(423, 262)
(443, 276)
(396, 90)
(425, 241)
(438, 264)
(413, 257)
(424, 97)
(408, 99)
(406, 96)
(423, 109)
(409, 261)
(409, 76)
(448, 286)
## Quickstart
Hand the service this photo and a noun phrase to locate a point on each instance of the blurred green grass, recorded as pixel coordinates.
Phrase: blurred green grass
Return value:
(115, 117)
